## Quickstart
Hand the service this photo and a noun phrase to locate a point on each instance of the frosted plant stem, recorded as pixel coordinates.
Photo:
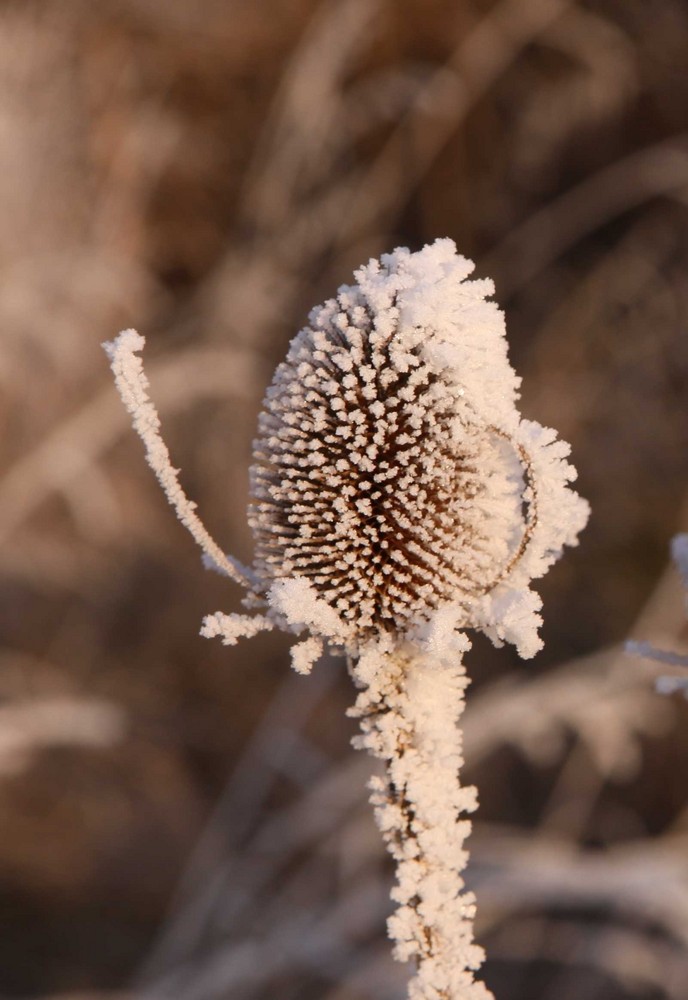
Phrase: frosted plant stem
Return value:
(409, 709)
(397, 499)
(132, 384)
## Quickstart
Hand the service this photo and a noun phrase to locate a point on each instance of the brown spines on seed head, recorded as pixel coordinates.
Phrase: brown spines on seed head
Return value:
(358, 484)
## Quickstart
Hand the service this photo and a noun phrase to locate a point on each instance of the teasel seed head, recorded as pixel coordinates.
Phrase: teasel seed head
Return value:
(392, 473)
(397, 495)
(397, 499)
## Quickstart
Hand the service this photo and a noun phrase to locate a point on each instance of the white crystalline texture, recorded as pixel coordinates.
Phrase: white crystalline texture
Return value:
(231, 628)
(398, 499)
(305, 654)
(409, 710)
(301, 606)
(132, 386)
(392, 470)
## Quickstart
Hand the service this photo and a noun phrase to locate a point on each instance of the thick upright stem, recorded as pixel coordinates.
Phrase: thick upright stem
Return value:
(409, 708)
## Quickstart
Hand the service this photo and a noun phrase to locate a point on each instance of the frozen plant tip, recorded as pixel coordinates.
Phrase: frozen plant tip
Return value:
(398, 499)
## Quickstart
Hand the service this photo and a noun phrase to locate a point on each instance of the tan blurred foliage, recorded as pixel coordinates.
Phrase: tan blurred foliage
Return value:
(181, 820)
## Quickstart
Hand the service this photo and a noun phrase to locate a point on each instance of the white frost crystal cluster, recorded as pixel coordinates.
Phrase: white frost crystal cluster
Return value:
(393, 473)
(398, 499)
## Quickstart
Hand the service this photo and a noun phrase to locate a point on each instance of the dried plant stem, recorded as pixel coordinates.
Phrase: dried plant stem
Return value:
(409, 718)
(132, 384)
(397, 499)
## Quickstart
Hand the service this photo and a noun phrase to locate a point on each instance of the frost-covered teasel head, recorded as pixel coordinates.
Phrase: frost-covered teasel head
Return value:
(393, 477)
(397, 495)
(397, 499)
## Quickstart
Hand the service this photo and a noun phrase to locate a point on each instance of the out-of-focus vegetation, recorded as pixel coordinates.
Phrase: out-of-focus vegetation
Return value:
(186, 821)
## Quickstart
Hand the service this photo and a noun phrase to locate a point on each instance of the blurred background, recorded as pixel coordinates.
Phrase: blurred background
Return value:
(180, 820)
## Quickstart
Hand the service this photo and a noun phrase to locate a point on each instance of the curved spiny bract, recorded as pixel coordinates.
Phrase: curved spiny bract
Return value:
(380, 476)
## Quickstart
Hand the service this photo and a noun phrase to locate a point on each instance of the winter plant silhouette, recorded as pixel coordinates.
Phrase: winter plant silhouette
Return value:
(398, 499)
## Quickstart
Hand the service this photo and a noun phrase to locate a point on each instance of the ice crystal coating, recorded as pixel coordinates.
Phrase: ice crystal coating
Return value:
(409, 709)
(397, 499)
(392, 470)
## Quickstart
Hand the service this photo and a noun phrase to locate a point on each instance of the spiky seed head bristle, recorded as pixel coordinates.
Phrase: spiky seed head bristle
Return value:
(377, 476)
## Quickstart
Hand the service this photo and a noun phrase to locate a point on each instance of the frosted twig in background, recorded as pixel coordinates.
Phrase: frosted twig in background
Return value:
(398, 498)
(668, 685)
(679, 551)
(28, 726)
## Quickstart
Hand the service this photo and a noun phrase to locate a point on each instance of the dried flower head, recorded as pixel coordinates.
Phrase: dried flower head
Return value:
(397, 499)
(392, 471)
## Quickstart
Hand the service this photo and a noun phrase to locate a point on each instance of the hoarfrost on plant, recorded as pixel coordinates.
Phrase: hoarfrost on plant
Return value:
(398, 499)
